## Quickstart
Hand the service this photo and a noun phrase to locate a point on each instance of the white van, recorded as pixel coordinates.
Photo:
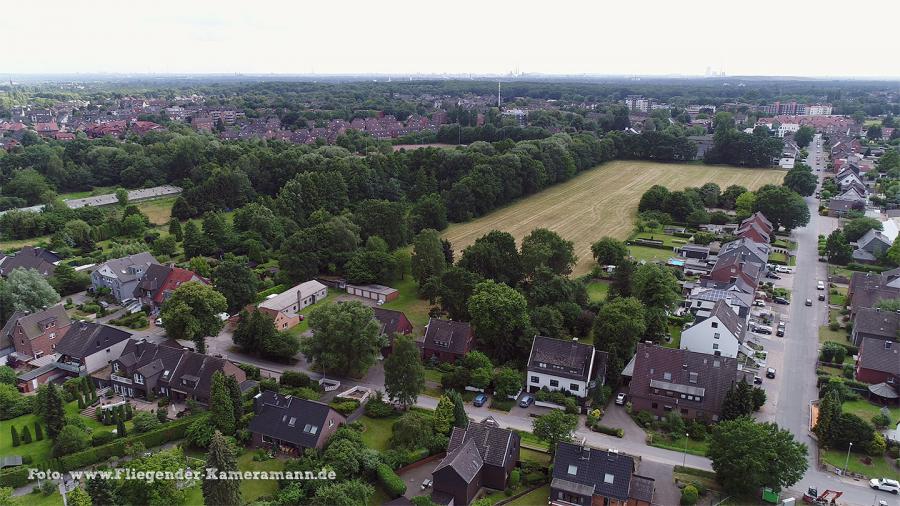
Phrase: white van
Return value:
(820, 285)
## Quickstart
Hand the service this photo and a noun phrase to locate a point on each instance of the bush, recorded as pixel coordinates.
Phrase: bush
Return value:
(644, 418)
(251, 370)
(294, 379)
(515, 477)
(881, 420)
(392, 484)
(610, 431)
(834, 325)
(877, 446)
(345, 407)
(377, 408)
(689, 495)
(145, 422)
(102, 437)
(71, 439)
(697, 431)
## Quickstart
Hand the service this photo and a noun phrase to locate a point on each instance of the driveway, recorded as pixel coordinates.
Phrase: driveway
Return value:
(616, 416)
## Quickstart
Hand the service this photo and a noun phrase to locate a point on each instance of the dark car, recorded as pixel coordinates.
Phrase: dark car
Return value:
(527, 400)
(772, 275)
(757, 380)
(770, 372)
(821, 296)
(479, 400)
(781, 300)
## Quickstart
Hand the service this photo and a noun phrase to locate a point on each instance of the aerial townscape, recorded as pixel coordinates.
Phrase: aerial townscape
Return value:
(445, 287)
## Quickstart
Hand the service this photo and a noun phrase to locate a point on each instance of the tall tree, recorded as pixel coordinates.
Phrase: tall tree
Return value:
(220, 405)
(78, 497)
(195, 243)
(53, 411)
(829, 412)
(453, 290)
(609, 251)
(102, 492)
(345, 338)
(555, 427)
(617, 328)
(460, 418)
(404, 374)
(226, 492)
(428, 256)
(747, 456)
(27, 290)
(192, 313)
(494, 256)
(237, 282)
(655, 286)
(545, 248)
(738, 401)
(234, 391)
(782, 206)
(175, 229)
(801, 180)
(499, 317)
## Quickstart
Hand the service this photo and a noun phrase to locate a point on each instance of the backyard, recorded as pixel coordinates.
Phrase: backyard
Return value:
(879, 466)
(600, 202)
(597, 290)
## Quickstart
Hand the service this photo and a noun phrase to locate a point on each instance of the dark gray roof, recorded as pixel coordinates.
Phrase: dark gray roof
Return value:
(447, 335)
(567, 359)
(29, 257)
(274, 413)
(83, 339)
(153, 279)
(592, 468)
(880, 355)
(641, 488)
(127, 268)
(465, 460)
(388, 319)
(867, 289)
(492, 442)
(34, 373)
(875, 322)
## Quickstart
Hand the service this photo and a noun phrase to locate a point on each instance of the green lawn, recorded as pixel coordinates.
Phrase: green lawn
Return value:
(826, 334)
(537, 496)
(409, 303)
(597, 290)
(40, 450)
(784, 243)
(158, 210)
(866, 410)
(534, 456)
(668, 240)
(777, 257)
(254, 489)
(13, 245)
(837, 296)
(530, 440)
(675, 331)
(660, 440)
(53, 499)
(649, 254)
(433, 375)
(378, 432)
(878, 469)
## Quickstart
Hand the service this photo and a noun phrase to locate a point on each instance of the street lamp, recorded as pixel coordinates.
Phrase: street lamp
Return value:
(847, 462)
(684, 459)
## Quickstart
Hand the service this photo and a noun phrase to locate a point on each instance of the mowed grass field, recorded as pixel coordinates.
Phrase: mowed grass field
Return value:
(599, 202)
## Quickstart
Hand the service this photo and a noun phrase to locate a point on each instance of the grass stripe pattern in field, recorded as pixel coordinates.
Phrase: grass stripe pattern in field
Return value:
(599, 202)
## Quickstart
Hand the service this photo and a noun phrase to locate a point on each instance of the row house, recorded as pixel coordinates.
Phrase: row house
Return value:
(160, 281)
(584, 476)
(146, 370)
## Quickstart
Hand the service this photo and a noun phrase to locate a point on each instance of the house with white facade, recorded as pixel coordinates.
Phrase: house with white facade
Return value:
(720, 333)
(122, 275)
(559, 364)
(284, 308)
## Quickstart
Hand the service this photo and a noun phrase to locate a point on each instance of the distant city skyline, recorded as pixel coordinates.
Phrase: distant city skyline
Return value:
(405, 37)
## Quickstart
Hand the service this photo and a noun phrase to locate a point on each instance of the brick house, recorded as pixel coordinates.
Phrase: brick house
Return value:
(42, 260)
(291, 425)
(447, 340)
(36, 334)
(160, 281)
(391, 323)
(689, 383)
(584, 476)
(875, 323)
(878, 362)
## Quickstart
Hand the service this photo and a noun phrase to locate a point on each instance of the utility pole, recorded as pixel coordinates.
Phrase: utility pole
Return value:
(498, 94)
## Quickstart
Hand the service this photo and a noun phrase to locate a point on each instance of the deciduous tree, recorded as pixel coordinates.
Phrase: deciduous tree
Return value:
(404, 374)
(345, 338)
(499, 317)
(192, 313)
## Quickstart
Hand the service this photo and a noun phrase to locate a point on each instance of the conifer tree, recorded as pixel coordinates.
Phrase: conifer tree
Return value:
(26, 435)
(237, 402)
(15, 435)
(220, 405)
(221, 457)
(38, 432)
(54, 411)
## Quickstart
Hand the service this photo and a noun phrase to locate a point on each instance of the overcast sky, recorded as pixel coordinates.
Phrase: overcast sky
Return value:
(749, 37)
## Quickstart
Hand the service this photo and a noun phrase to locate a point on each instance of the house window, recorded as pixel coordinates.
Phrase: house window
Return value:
(716, 363)
(52, 335)
(717, 335)
(667, 376)
(330, 423)
(138, 379)
(554, 383)
(573, 470)
(115, 367)
(535, 379)
(715, 325)
(715, 346)
(684, 411)
(608, 478)
(654, 405)
(573, 387)
(693, 377)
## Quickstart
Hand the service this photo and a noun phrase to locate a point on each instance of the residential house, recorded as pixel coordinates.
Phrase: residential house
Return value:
(754, 232)
(839, 208)
(91, 346)
(585, 476)
(558, 364)
(745, 249)
(122, 275)
(760, 220)
(36, 334)
(689, 383)
(285, 307)
(694, 251)
(720, 334)
(146, 370)
(481, 455)
(291, 425)
(734, 269)
(879, 361)
(391, 323)
(849, 176)
(378, 293)
(875, 323)
(160, 281)
(42, 260)
(447, 340)
(874, 244)
(867, 289)
(703, 298)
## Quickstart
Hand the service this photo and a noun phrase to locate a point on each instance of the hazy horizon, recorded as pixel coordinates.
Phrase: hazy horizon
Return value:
(408, 38)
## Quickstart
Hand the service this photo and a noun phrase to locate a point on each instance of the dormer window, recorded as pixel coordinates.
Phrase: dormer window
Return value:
(667, 376)
(311, 429)
(292, 421)
(115, 367)
(608, 478)
(573, 470)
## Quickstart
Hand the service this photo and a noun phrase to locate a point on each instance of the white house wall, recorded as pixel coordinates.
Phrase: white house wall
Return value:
(544, 379)
(701, 338)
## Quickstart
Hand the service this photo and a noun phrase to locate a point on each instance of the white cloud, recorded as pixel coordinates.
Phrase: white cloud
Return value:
(764, 37)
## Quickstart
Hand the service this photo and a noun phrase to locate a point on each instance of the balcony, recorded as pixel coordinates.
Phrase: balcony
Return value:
(70, 366)
(120, 379)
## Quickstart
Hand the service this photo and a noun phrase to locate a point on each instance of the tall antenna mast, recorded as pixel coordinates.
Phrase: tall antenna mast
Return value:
(498, 94)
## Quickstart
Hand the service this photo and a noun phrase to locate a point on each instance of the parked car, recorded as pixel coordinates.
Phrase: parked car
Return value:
(527, 400)
(479, 400)
(885, 484)
(822, 296)
(158, 322)
(780, 331)
(620, 399)
(808, 302)
(759, 303)
(770, 372)
(781, 300)
(762, 329)
(757, 380)
(820, 285)
(782, 269)
(772, 275)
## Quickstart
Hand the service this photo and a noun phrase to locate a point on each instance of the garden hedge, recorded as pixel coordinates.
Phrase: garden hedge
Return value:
(393, 484)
